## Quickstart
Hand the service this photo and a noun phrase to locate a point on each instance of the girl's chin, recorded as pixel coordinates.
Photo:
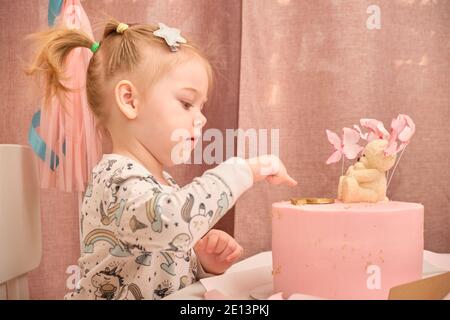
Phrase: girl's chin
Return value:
(194, 144)
(184, 153)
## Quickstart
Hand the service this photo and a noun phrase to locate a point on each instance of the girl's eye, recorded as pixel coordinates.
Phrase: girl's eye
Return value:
(186, 105)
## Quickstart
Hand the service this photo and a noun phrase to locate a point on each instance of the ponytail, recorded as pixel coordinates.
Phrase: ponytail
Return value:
(53, 48)
(125, 55)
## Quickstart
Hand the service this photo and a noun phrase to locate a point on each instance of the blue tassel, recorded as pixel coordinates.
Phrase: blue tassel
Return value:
(38, 145)
(54, 9)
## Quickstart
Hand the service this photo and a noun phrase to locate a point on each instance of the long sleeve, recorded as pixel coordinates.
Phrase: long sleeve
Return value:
(201, 273)
(154, 219)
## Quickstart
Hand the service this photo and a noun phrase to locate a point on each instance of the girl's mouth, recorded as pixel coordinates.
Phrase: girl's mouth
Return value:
(192, 140)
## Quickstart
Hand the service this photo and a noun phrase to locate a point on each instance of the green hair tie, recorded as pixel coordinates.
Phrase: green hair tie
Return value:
(95, 47)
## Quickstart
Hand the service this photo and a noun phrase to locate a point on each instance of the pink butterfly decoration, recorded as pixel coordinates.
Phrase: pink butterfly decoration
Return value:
(363, 136)
(348, 146)
(376, 129)
(402, 128)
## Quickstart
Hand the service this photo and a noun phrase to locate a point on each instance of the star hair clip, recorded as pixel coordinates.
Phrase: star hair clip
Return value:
(172, 36)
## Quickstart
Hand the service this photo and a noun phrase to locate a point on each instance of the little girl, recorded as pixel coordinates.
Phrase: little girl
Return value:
(142, 236)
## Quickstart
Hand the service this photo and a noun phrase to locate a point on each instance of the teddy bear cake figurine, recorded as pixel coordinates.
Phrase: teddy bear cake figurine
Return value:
(366, 180)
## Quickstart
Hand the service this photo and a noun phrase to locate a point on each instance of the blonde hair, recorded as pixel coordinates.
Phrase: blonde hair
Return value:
(118, 53)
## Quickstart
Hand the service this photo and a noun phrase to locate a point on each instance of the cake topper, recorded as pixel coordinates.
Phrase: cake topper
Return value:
(348, 146)
(367, 180)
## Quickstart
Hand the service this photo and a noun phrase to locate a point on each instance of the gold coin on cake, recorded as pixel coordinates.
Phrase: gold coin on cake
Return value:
(298, 201)
(319, 200)
(303, 201)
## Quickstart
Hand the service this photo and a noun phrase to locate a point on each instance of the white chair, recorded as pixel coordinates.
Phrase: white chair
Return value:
(20, 220)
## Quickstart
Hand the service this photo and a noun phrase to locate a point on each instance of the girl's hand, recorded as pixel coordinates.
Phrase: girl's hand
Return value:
(217, 251)
(271, 168)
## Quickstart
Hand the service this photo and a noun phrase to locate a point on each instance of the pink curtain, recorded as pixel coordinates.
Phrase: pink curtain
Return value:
(297, 66)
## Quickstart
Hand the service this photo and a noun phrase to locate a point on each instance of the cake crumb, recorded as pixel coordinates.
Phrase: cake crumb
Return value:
(276, 271)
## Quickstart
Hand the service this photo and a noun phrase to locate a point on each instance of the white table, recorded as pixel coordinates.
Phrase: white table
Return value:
(261, 262)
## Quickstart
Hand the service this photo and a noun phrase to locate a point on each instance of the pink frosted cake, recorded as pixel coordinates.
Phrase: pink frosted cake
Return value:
(346, 250)
(362, 244)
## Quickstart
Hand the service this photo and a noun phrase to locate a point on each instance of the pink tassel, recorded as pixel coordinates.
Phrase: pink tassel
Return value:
(73, 130)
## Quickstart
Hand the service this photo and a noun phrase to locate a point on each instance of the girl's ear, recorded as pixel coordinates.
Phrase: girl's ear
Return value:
(126, 98)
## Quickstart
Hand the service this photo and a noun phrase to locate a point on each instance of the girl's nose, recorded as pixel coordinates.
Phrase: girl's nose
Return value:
(204, 120)
(200, 121)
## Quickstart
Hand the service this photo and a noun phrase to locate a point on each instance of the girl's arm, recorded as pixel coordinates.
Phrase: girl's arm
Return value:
(175, 221)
